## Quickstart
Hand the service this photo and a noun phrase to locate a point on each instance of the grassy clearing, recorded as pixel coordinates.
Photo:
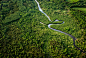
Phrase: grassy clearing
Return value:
(81, 9)
(72, 1)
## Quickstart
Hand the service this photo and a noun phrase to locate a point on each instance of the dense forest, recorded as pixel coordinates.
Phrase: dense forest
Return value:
(22, 34)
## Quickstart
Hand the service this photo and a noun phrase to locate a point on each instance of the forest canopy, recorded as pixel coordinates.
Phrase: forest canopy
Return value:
(23, 36)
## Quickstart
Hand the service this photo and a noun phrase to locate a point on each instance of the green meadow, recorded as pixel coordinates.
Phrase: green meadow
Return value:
(81, 9)
(72, 1)
(22, 34)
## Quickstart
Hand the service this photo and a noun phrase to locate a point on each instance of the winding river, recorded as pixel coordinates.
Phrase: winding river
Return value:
(55, 29)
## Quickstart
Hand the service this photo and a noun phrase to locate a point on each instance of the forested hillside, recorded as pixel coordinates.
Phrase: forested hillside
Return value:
(23, 36)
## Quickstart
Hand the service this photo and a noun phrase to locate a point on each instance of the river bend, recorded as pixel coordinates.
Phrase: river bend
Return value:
(55, 29)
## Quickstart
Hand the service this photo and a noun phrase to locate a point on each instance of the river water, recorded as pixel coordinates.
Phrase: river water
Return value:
(58, 30)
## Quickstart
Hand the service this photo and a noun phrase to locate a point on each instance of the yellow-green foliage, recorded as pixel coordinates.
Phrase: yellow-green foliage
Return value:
(81, 9)
(71, 1)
